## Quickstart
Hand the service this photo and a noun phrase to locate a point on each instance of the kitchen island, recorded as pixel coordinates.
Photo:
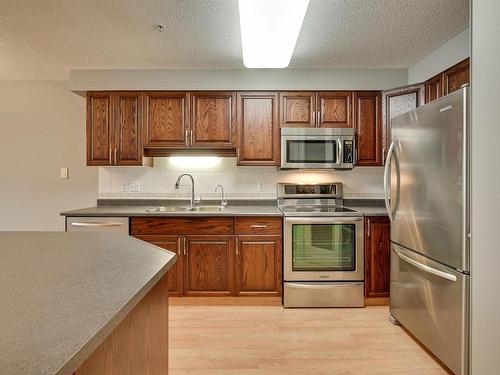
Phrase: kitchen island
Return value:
(84, 303)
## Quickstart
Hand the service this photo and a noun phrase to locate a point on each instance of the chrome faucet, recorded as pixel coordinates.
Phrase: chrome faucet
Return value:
(193, 201)
(223, 202)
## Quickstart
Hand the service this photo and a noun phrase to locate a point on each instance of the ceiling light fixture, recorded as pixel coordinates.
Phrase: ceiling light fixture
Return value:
(269, 31)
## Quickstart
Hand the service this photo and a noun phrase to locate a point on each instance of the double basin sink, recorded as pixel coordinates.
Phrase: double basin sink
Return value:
(194, 209)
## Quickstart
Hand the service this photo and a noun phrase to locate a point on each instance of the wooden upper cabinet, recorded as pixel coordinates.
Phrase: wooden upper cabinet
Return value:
(335, 109)
(213, 118)
(259, 265)
(100, 128)
(433, 88)
(258, 128)
(456, 76)
(128, 127)
(166, 119)
(209, 266)
(377, 256)
(368, 127)
(297, 109)
(396, 102)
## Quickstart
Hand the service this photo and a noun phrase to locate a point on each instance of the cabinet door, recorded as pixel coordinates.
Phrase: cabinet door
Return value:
(258, 130)
(209, 266)
(377, 256)
(100, 129)
(165, 119)
(174, 274)
(433, 88)
(213, 117)
(127, 148)
(259, 265)
(297, 109)
(396, 102)
(335, 109)
(368, 127)
(456, 76)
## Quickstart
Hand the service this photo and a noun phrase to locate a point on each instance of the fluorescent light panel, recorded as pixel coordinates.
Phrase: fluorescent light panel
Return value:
(198, 162)
(269, 31)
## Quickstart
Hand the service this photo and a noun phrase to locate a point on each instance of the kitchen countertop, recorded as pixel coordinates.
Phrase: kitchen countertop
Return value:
(63, 293)
(117, 208)
(141, 211)
(370, 210)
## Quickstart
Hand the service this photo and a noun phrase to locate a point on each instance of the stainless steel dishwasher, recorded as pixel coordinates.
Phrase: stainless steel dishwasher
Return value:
(97, 224)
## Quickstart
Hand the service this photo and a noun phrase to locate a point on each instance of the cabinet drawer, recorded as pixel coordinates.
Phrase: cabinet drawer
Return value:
(258, 225)
(182, 225)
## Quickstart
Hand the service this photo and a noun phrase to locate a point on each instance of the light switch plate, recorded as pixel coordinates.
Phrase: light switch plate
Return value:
(64, 173)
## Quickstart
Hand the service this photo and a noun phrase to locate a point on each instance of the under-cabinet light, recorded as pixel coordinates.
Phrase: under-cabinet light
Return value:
(194, 161)
(269, 31)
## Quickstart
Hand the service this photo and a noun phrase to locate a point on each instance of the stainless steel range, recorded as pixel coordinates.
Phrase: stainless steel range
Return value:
(323, 247)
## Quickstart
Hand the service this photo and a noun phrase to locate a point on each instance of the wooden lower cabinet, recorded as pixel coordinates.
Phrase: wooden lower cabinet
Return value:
(377, 256)
(259, 265)
(218, 256)
(174, 244)
(209, 266)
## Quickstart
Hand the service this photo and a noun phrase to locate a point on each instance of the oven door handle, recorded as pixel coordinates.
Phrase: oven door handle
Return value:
(323, 285)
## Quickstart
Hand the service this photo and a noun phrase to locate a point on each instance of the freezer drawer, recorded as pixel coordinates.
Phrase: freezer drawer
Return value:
(323, 294)
(432, 302)
(97, 224)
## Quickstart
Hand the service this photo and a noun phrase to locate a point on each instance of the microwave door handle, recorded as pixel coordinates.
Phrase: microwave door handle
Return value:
(339, 151)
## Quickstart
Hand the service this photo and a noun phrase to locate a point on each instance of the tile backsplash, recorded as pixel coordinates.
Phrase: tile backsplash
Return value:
(238, 182)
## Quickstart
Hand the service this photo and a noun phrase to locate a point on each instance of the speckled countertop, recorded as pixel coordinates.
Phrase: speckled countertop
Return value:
(123, 208)
(141, 211)
(63, 293)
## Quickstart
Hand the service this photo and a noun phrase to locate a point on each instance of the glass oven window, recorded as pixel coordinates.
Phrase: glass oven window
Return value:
(311, 151)
(324, 247)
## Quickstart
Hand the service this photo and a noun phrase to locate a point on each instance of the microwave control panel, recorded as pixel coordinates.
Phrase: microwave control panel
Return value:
(348, 152)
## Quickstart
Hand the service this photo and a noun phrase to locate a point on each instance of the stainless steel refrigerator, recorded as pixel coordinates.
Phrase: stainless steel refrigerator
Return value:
(426, 182)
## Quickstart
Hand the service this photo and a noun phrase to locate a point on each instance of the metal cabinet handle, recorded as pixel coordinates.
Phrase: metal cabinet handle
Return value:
(314, 118)
(368, 230)
(110, 159)
(116, 150)
(258, 226)
(85, 224)
(426, 268)
(187, 137)
(237, 248)
(191, 137)
(184, 247)
(318, 119)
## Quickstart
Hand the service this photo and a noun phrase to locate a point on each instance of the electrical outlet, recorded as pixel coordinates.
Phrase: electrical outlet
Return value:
(64, 173)
(134, 186)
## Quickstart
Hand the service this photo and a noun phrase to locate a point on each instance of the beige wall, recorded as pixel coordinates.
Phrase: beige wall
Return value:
(42, 129)
(485, 249)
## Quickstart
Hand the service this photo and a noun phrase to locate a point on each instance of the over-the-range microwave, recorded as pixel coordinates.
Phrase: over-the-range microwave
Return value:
(317, 148)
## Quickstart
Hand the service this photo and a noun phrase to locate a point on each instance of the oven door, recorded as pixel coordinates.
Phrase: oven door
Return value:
(310, 152)
(323, 248)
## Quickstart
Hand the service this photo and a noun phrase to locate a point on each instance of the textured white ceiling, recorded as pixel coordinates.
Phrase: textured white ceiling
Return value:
(44, 39)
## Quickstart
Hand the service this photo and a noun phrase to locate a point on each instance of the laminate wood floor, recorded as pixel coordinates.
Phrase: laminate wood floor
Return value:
(265, 340)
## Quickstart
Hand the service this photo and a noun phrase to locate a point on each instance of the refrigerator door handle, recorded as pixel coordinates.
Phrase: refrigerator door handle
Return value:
(390, 210)
(425, 268)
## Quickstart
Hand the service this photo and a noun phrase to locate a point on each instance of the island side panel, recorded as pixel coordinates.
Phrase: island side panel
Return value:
(139, 345)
